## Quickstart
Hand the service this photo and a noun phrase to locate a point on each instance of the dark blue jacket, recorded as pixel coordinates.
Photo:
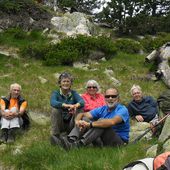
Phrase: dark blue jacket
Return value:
(147, 108)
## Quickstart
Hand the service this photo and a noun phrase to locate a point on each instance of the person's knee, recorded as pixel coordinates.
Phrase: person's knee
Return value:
(55, 112)
(20, 122)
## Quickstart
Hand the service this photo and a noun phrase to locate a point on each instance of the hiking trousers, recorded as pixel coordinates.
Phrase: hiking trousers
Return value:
(107, 135)
(58, 125)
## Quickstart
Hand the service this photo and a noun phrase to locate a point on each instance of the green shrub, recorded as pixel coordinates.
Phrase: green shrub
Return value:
(9, 6)
(143, 24)
(19, 34)
(16, 37)
(106, 45)
(70, 50)
(128, 46)
(61, 57)
(35, 50)
(16, 33)
(150, 43)
(13, 6)
(34, 34)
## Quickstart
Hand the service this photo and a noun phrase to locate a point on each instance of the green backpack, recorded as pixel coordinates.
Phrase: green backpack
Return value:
(164, 101)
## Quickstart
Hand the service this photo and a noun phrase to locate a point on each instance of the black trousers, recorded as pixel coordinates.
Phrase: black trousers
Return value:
(107, 135)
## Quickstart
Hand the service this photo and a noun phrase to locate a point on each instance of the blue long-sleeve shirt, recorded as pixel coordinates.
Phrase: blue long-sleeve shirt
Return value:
(57, 99)
(147, 108)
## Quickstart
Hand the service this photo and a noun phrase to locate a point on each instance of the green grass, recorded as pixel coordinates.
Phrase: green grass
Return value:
(37, 153)
(18, 38)
(41, 155)
(26, 73)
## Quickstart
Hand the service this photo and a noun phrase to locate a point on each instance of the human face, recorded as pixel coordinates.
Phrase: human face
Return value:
(65, 84)
(111, 97)
(137, 95)
(92, 89)
(15, 92)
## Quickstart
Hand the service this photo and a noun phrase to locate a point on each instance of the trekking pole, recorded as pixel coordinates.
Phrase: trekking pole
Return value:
(149, 129)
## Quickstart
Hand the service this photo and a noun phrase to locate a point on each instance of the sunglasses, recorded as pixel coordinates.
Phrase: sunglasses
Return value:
(93, 87)
(136, 93)
(111, 96)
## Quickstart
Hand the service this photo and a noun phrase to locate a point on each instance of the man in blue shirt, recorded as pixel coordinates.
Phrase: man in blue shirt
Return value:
(109, 122)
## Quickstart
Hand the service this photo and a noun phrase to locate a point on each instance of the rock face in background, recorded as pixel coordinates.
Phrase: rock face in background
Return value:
(27, 17)
(162, 57)
(72, 24)
(33, 16)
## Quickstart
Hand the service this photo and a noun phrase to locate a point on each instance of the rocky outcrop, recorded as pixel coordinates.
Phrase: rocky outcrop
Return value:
(109, 73)
(163, 140)
(137, 129)
(9, 51)
(39, 118)
(165, 135)
(162, 57)
(163, 143)
(27, 16)
(72, 24)
(32, 16)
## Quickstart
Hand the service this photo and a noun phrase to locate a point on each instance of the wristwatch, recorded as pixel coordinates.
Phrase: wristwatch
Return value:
(91, 124)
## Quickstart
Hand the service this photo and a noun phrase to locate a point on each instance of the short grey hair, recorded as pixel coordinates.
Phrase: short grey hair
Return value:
(135, 87)
(15, 85)
(94, 82)
(65, 75)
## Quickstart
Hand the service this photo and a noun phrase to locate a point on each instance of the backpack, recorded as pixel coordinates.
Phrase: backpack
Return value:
(160, 162)
(142, 164)
(164, 101)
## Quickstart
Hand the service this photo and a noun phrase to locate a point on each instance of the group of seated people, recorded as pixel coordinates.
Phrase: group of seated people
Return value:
(90, 118)
(94, 118)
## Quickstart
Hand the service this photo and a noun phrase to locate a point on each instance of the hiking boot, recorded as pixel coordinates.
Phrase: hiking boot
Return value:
(4, 135)
(11, 135)
(71, 139)
(55, 140)
(98, 142)
(67, 145)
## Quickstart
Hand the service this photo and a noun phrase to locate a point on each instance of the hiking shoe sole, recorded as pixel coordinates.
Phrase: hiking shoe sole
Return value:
(55, 140)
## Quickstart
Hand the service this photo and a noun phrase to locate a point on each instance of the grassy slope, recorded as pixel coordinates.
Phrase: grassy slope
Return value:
(36, 151)
(26, 73)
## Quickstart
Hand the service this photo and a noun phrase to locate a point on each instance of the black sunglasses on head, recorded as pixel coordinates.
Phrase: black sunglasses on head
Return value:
(111, 96)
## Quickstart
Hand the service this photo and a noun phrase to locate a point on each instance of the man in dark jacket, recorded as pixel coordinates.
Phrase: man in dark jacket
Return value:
(142, 108)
